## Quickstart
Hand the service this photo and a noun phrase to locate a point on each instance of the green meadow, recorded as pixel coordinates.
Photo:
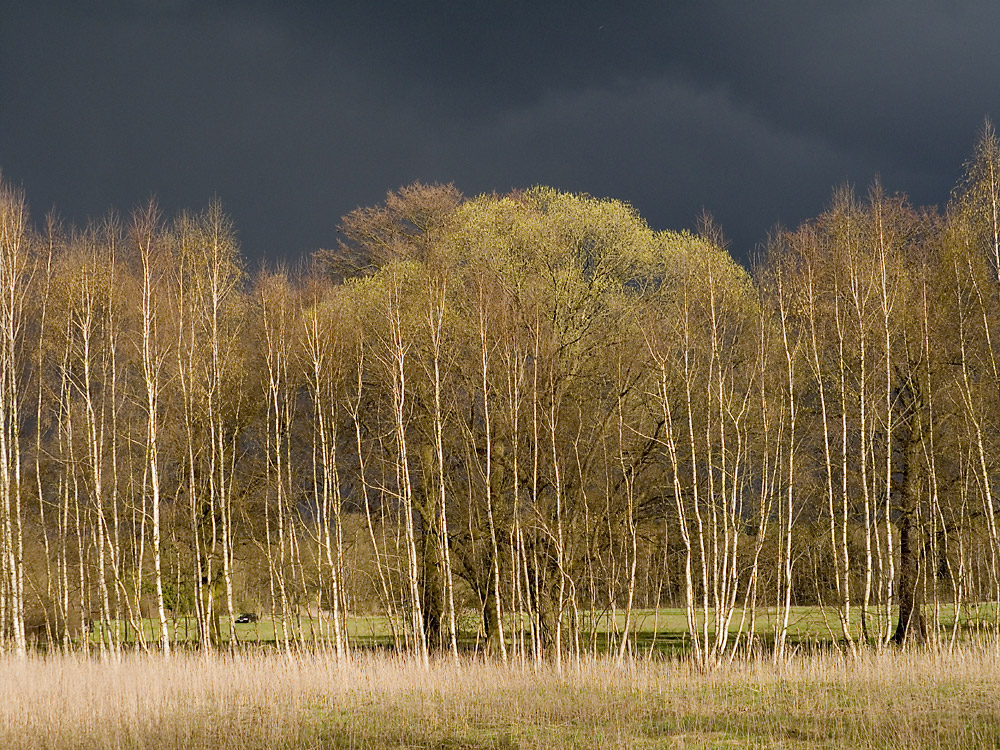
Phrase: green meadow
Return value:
(651, 632)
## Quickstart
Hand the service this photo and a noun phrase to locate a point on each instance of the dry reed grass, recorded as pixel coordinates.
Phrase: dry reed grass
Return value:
(891, 699)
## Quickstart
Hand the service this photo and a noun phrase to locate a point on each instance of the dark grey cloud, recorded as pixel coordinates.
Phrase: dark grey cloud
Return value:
(296, 112)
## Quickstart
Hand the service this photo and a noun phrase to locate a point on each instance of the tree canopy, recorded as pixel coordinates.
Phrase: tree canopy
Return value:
(532, 407)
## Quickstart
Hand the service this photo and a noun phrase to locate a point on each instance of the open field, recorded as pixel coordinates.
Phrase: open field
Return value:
(887, 700)
(662, 631)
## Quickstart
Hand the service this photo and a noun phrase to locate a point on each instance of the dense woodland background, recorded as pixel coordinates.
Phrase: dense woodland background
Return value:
(529, 407)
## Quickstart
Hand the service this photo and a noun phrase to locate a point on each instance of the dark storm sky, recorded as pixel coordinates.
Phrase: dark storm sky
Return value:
(294, 113)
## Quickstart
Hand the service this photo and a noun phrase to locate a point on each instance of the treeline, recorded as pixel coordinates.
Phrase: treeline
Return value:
(530, 407)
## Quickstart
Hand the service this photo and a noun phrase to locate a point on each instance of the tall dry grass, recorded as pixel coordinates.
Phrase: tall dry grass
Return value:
(879, 700)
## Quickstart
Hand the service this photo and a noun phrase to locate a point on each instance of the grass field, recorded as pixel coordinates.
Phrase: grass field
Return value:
(261, 697)
(887, 700)
(662, 631)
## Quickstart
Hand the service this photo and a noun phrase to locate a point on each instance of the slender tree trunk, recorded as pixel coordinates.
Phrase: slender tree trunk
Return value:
(13, 282)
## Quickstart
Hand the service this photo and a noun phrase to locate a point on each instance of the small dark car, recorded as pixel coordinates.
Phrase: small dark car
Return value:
(246, 617)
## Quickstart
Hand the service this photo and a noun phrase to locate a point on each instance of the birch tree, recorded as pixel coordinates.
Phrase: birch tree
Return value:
(15, 272)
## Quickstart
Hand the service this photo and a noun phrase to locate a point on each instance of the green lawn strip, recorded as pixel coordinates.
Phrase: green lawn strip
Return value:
(664, 631)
